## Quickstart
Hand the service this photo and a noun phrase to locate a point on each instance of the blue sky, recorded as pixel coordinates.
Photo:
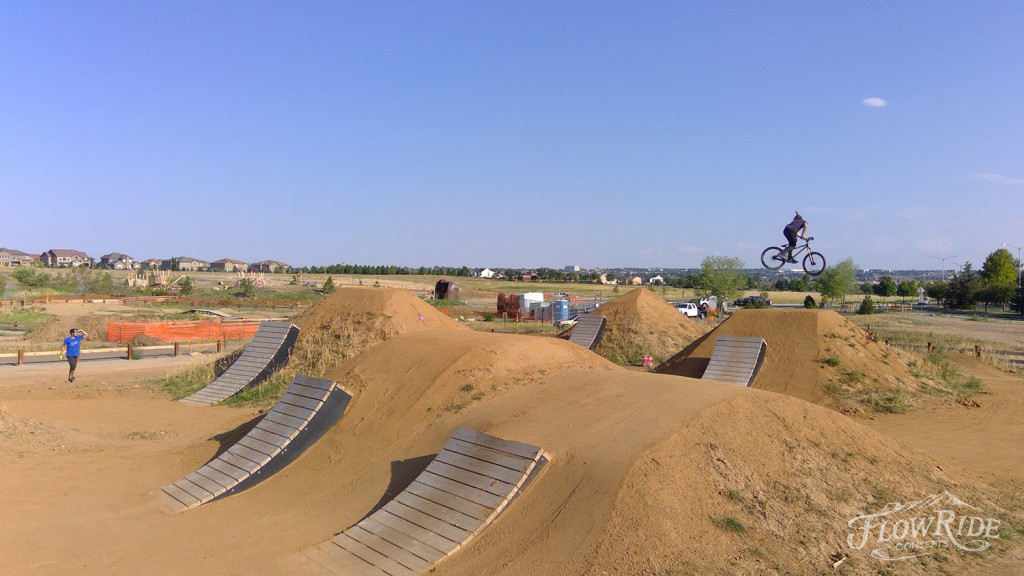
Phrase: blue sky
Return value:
(518, 134)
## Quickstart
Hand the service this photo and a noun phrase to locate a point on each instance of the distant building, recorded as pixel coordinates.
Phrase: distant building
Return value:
(185, 264)
(154, 263)
(228, 265)
(486, 273)
(656, 280)
(56, 257)
(269, 266)
(118, 261)
(10, 258)
(571, 269)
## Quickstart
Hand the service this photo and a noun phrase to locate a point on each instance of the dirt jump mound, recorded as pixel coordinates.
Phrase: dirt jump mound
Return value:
(815, 355)
(353, 319)
(641, 323)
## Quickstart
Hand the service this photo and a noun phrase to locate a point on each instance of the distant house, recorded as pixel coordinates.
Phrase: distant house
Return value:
(486, 273)
(185, 264)
(637, 281)
(656, 280)
(63, 257)
(269, 266)
(10, 258)
(152, 263)
(228, 265)
(118, 261)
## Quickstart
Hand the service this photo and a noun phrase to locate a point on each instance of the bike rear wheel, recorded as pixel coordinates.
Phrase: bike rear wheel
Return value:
(769, 260)
(814, 263)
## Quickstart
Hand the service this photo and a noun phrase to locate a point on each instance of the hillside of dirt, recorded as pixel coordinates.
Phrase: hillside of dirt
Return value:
(648, 473)
(815, 355)
(641, 323)
(356, 318)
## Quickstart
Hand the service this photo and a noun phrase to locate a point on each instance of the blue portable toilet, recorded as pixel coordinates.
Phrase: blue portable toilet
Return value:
(561, 311)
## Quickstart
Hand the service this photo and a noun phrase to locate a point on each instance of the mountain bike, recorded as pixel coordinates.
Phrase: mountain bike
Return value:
(813, 262)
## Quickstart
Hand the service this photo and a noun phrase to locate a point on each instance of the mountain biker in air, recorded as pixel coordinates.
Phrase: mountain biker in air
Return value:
(795, 229)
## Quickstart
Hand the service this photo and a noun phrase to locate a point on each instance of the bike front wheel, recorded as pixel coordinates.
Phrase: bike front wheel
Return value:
(814, 263)
(772, 258)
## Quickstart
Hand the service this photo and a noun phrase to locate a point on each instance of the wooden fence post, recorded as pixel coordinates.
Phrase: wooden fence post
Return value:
(220, 346)
(129, 350)
(176, 349)
(21, 356)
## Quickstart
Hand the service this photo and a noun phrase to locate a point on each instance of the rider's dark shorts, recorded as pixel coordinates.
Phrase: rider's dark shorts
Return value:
(73, 362)
(790, 235)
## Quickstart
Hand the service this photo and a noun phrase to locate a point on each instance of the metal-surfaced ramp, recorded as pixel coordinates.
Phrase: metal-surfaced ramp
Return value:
(269, 348)
(736, 359)
(465, 487)
(588, 330)
(307, 410)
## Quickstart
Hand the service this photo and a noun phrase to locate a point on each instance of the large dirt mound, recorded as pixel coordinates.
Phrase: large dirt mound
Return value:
(648, 474)
(640, 323)
(404, 310)
(815, 355)
(354, 319)
(56, 329)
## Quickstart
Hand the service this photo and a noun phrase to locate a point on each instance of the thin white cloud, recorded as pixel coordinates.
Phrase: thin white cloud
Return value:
(999, 179)
(873, 102)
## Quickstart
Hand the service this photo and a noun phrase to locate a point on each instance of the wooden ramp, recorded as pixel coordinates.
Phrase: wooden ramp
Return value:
(307, 410)
(462, 491)
(588, 330)
(736, 359)
(269, 348)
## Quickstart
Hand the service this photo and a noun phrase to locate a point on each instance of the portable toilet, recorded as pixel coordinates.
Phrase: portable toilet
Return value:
(561, 310)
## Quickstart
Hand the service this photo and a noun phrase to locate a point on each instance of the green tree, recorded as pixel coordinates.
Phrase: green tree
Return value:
(329, 286)
(999, 267)
(186, 286)
(837, 281)
(867, 306)
(906, 288)
(721, 276)
(999, 278)
(937, 290)
(809, 302)
(246, 288)
(964, 287)
(886, 287)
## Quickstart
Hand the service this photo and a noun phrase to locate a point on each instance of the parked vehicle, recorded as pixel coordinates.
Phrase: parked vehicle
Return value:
(688, 308)
(752, 302)
(569, 322)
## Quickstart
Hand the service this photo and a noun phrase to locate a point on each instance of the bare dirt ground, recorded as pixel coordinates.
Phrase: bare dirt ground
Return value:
(649, 473)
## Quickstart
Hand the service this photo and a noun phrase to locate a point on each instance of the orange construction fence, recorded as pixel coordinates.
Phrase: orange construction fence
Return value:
(183, 331)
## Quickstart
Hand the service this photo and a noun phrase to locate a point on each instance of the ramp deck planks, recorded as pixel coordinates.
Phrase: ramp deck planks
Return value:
(736, 359)
(588, 330)
(463, 490)
(269, 348)
(313, 405)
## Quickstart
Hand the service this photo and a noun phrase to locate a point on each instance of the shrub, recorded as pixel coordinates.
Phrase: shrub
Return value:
(867, 306)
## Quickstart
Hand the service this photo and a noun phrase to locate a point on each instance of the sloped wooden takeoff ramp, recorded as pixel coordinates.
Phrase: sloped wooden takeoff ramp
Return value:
(269, 348)
(462, 491)
(588, 330)
(307, 410)
(736, 359)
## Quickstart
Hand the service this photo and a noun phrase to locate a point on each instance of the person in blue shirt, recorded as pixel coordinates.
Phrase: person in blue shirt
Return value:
(71, 348)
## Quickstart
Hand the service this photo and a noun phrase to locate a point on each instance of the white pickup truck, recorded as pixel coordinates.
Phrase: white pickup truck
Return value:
(688, 308)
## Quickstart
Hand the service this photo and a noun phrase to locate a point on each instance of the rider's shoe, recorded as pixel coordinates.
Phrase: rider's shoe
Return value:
(790, 261)
(777, 257)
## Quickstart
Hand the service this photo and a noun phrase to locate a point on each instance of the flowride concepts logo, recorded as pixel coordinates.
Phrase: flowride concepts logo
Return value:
(939, 522)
